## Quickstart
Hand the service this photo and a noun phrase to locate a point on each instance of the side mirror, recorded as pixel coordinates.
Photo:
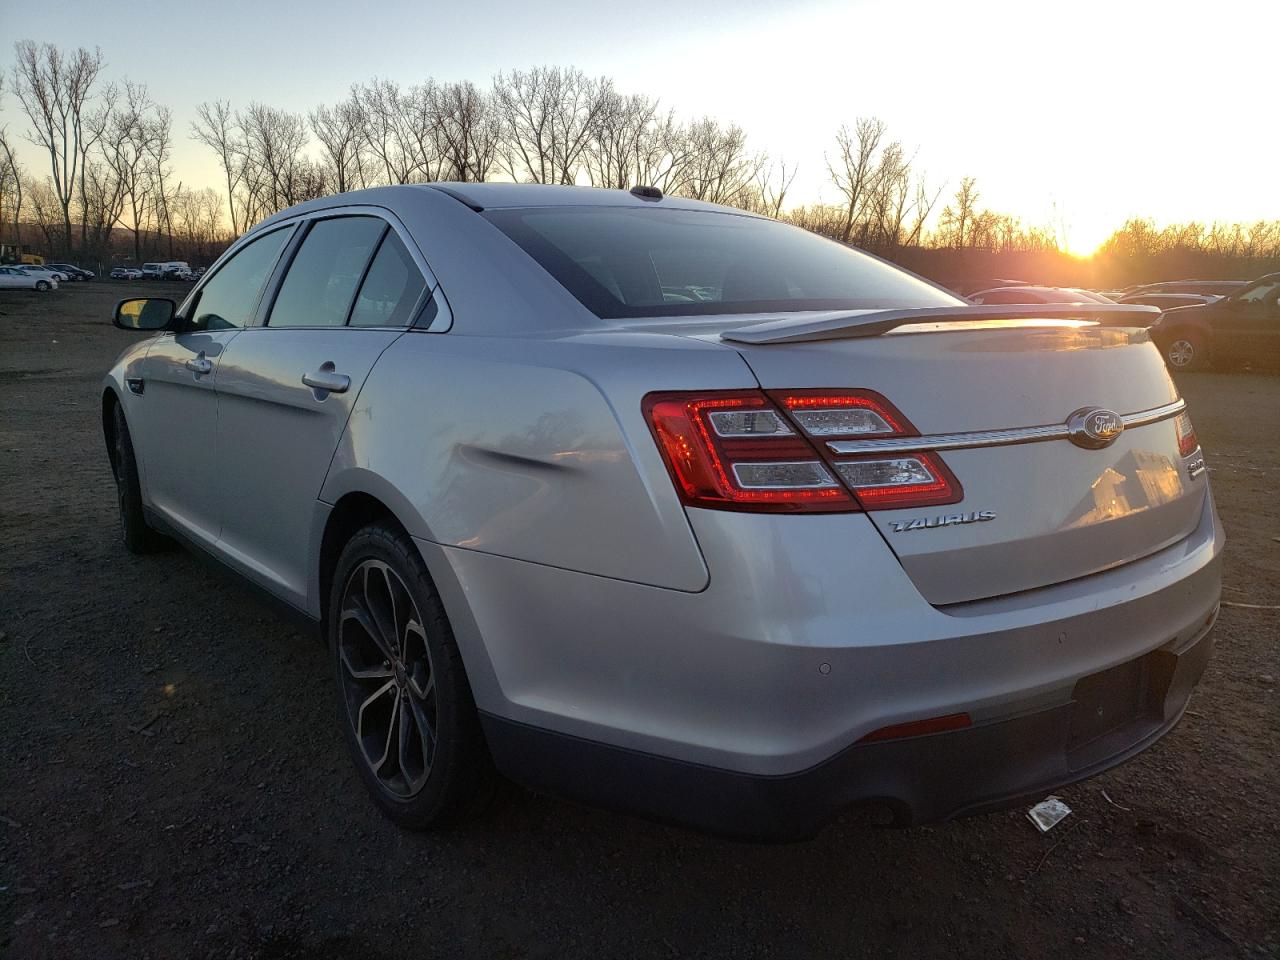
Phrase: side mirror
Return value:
(145, 313)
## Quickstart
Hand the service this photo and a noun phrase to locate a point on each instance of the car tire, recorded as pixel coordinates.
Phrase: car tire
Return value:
(398, 673)
(42, 285)
(1186, 351)
(138, 537)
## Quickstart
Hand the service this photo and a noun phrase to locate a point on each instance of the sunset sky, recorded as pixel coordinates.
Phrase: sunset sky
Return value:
(1085, 113)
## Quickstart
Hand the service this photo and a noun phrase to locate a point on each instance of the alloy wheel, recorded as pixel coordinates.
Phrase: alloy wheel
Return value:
(1181, 352)
(388, 678)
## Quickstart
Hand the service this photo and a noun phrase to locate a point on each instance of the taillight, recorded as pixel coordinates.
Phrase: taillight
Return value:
(736, 451)
(1187, 442)
(745, 450)
(879, 481)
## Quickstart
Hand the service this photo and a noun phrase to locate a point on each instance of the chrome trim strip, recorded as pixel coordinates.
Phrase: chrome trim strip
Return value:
(992, 438)
(1154, 415)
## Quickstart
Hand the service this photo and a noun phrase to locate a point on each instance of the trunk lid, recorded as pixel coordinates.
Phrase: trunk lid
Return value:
(1058, 511)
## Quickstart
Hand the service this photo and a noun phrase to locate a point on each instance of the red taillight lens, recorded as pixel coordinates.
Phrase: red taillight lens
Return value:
(879, 481)
(743, 450)
(736, 451)
(1187, 442)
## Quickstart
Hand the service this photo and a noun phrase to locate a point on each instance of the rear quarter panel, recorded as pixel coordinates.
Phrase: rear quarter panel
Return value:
(533, 449)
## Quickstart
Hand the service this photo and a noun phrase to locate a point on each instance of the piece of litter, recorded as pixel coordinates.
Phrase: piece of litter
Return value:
(1048, 813)
(1251, 606)
(1107, 797)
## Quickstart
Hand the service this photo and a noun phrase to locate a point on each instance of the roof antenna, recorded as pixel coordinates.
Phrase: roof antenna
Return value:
(646, 193)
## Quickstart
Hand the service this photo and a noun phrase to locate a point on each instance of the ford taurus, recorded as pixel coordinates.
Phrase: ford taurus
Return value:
(675, 509)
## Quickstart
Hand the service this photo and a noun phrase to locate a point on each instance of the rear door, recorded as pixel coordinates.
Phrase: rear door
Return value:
(1029, 513)
(175, 423)
(287, 388)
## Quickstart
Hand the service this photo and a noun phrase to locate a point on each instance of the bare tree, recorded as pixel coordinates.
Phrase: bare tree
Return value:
(467, 131)
(275, 141)
(10, 181)
(46, 209)
(773, 190)
(388, 130)
(920, 210)
(338, 131)
(618, 137)
(197, 222)
(720, 168)
(123, 133)
(160, 171)
(854, 169)
(54, 90)
(547, 115)
(958, 216)
(216, 127)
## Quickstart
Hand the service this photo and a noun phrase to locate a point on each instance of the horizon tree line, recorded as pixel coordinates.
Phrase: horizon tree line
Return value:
(107, 148)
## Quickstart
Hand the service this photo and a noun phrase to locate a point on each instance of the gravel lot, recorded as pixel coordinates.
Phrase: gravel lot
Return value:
(173, 783)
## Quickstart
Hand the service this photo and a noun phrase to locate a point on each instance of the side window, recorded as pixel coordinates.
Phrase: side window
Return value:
(1261, 293)
(391, 289)
(229, 298)
(322, 280)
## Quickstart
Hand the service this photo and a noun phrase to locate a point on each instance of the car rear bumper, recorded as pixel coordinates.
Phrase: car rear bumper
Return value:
(740, 708)
(915, 780)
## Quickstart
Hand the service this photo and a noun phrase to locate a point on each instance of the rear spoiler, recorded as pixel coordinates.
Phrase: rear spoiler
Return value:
(873, 323)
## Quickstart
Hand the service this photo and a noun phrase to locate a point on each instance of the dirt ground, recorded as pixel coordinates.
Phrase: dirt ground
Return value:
(173, 783)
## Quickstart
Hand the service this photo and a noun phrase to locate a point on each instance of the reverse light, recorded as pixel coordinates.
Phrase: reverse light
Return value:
(747, 450)
(1187, 442)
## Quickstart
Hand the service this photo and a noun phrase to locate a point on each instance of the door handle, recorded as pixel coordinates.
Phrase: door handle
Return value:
(327, 380)
(200, 365)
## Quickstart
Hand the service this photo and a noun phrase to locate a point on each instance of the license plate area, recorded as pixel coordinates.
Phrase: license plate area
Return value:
(1123, 700)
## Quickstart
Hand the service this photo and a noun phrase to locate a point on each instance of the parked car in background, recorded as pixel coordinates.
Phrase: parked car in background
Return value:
(965, 287)
(1243, 327)
(72, 271)
(1206, 288)
(637, 499)
(1030, 294)
(17, 278)
(45, 271)
(126, 273)
(1167, 301)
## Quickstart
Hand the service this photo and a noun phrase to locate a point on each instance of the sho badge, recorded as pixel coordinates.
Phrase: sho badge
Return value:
(932, 523)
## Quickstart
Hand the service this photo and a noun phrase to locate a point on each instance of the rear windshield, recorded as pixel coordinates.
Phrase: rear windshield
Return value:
(623, 263)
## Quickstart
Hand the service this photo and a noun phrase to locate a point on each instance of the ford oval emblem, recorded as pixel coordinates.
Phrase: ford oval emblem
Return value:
(1094, 427)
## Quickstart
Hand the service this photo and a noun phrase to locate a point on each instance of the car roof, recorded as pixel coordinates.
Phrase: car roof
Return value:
(496, 196)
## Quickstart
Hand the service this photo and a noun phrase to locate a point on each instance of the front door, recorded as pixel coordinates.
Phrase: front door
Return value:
(175, 425)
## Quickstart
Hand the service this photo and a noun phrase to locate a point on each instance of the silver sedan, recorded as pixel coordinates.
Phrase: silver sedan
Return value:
(676, 509)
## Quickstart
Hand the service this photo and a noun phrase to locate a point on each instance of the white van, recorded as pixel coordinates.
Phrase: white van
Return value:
(164, 268)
